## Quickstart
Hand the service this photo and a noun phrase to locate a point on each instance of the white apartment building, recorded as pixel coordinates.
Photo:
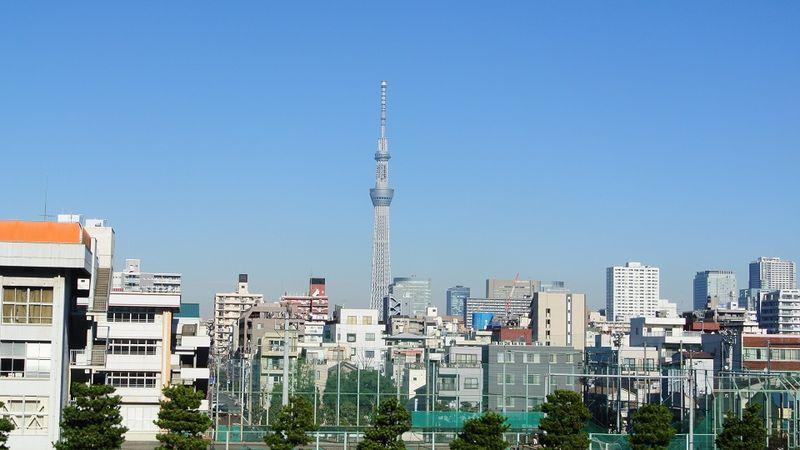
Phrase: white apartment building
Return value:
(632, 290)
(228, 308)
(358, 332)
(771, 274)
(45, 267)
(132, 279)
(780, 312)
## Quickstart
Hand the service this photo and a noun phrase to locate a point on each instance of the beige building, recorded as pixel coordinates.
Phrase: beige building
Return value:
(228, 308)
(558, 319)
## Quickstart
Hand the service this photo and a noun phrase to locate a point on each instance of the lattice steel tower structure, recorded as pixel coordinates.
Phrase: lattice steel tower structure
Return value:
(381, 196)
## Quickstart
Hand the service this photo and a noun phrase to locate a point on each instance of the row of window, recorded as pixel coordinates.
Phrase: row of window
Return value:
(132, 347)
(533, 379)
(140, 315)
(534, 358)
(27, 305)
(449, 383)
(369, 337)
(25, 359)
(353, 320)
(132, 379)
(775, 354)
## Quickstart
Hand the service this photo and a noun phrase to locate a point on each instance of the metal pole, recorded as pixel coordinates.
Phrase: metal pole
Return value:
(338, 385)
(619, 390)
(285, 399)
(691, 409)
(358, 396)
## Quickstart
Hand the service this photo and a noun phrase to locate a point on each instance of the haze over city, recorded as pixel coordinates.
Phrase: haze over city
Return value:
(549, 141)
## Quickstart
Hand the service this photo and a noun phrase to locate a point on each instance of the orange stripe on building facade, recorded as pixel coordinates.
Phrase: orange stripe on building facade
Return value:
(45, 232)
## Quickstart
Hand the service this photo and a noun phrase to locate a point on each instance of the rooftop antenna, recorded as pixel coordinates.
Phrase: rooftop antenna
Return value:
(45, 216)
(383, 109)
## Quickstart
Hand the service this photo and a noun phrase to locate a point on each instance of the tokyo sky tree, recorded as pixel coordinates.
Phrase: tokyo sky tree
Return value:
(381, 196)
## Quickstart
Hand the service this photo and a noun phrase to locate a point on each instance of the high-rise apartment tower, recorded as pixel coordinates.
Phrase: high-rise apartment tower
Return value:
(381, 196)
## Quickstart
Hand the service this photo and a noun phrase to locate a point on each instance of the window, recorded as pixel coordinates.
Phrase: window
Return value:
(509, 402)
(568, 358)
(366, 320)
(470, 383)
(447, 384)
(25, 412)
(534, 404)
(509, 378)
(629, 363)
(32, 305)
(501, 357)
(369, 337)
(534, 379)
(132, 379)
(353, 351)
(139, 315)
(132, 347)
(464, 358)
(351, 337)
(531, 358)
(352, 320)
(369, 353)
(25, 359)
(553, 358)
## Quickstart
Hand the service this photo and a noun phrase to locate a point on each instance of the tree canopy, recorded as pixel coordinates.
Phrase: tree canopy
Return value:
(5, 427)
(183, 424)
(566, 415)
(391, 420)
(747, 433)
(484, 432)
(292, 425)
(349, 400)
(92, 420)
(652, 428)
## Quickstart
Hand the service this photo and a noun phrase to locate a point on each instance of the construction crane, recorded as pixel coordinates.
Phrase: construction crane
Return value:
(510, 296)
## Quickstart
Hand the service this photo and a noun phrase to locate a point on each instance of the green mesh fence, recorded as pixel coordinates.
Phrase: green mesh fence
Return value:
(454, 420)
(620, 442)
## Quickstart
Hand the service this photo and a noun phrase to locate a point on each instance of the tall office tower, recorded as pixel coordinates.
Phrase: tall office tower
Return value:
(771, 274)
(456, 300)
(227, 309)
(496, 288)
(632, 290)
(559, 319)
(132, 279)
(408, 296)
(720, 285)
(381, 196)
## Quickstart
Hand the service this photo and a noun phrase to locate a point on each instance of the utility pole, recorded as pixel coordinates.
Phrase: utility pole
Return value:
(285, 399)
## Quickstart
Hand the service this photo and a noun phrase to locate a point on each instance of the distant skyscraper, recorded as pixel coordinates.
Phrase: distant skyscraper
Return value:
(381, 196)
(631, 291)
(408, 296)
(456, 300)
(714, 283)
(771, 274)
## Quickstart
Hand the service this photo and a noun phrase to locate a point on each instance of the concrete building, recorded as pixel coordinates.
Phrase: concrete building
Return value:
(132, 279)
(459, 377)
(45, 268)
(228, 307)
(559, 319)
(408, 296)
(771, 274)
(456, 300)
(191, 349)
(632, 290)
(360, 334)
(767, 353)
(517, 307)
(667, 334)
(312, 305)
(515, 376)
(522, 289)
(719, 286)
(780, 312)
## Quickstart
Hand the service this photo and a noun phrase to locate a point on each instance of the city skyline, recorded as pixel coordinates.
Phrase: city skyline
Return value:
(243, 168)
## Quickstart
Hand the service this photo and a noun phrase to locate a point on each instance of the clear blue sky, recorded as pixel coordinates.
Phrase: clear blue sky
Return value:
(547, 138)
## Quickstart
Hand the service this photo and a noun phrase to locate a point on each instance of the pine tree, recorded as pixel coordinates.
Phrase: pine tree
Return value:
(566, 415)
(652, 428)
(483, 432)
(92, 420)
(389, 423)
(292, 424)
(180, 417)
(747, 433)
(5, 427)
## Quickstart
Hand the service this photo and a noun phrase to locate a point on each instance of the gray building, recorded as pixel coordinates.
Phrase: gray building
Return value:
(516, 376)
(408, 296)
(719, 285)
(460, 376)
(456, 300)
(517, 307)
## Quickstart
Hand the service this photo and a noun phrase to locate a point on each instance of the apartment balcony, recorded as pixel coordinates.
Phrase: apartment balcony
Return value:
(81, 358)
